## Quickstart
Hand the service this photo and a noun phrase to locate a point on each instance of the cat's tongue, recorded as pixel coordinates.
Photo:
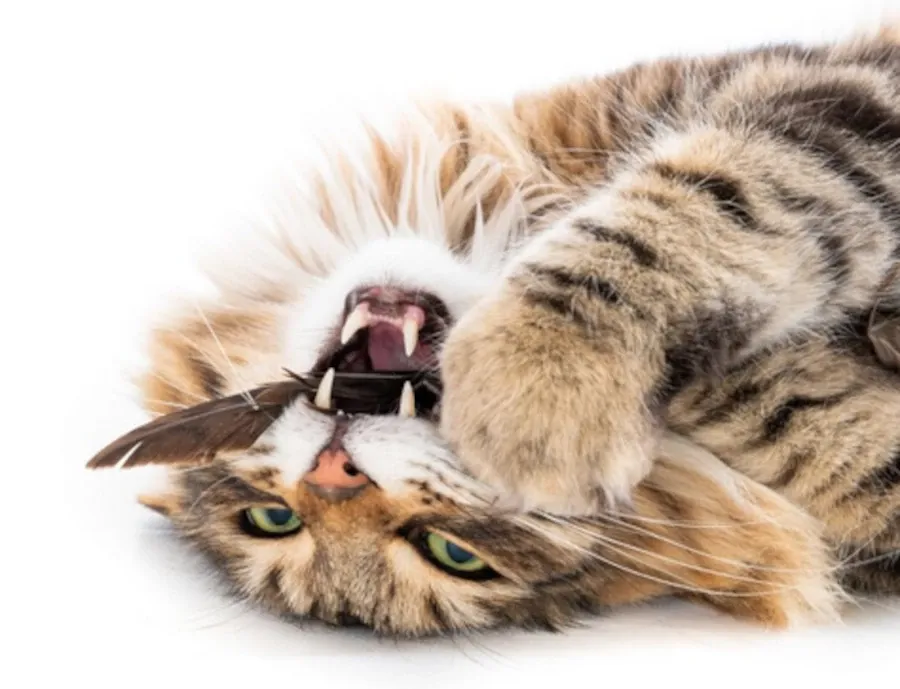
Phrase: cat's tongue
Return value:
(386, 351)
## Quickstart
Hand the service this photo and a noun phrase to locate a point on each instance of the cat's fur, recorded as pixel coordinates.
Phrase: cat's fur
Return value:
(691, 245)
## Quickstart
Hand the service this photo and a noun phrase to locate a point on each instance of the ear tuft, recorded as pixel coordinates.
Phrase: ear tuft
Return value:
(166, 504)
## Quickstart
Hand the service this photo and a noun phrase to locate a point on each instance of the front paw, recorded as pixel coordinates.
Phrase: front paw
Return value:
(552, 413)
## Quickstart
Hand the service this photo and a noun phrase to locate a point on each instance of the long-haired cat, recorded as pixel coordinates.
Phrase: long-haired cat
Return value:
(624, 329)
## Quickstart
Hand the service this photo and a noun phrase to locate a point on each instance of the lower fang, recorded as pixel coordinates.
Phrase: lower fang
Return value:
(408, 401)
(323, 394)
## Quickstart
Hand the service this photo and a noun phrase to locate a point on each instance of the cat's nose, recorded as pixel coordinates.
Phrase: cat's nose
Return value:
(335, 477)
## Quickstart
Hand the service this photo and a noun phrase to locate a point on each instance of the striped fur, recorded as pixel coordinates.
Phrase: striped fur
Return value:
(715, 282)
(689, 245)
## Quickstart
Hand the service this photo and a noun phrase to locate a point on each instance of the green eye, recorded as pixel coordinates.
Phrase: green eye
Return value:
(271, 521)
(452, 557)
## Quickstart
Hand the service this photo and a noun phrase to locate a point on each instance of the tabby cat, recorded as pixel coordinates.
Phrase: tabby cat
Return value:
(615, 341)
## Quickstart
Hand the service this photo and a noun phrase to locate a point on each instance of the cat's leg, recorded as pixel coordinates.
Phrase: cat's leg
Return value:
(712, 246)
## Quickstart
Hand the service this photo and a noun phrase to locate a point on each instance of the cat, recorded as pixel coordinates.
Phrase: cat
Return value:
(645, 299)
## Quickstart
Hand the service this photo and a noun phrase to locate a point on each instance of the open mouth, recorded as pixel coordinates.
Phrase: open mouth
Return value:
(388, 338)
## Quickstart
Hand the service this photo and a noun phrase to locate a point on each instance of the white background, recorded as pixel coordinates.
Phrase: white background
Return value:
(134, 134)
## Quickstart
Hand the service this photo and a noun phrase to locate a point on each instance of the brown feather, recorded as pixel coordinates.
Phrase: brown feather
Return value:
(197, 434)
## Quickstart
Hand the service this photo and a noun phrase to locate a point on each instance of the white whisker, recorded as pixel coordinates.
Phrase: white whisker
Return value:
(244, 393)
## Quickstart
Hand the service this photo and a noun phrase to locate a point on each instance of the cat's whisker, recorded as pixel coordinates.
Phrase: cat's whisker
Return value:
(688, 523)
(215, 484)
(605, 538)
(860, 599)
(851, 556)
(237, 376)
(681, 585)
(166, 403)
(178, 388)
(881, 557)
(696, 551)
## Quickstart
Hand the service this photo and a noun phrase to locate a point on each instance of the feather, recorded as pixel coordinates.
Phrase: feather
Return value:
(196, 435)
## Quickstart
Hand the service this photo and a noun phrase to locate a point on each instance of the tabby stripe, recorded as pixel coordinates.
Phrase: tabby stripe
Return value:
(845, 107)
(836, 258)
(709, 343)
(273, 580)
(559, 305)
(776, 424)
(437, 612)
(596, 287)
(645, 255)
(211, 381)
(831, 151)
(726, 192)
(817, 212)
(800, 202)
(792, 464)
(884, 479)
(740, 396)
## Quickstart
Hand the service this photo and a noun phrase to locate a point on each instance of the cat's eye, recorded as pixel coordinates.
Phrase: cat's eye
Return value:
(270, 522)
(455, 559)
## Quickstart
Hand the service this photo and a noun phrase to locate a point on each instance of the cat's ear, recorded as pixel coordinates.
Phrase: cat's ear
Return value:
(166, 504)
(196, 435)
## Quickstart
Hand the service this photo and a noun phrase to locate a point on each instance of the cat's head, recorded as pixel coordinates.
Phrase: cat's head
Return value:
(353, 518)
(366, 519)
(333, 496)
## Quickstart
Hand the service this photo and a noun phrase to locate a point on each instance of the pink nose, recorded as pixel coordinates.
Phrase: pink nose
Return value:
(335, 477)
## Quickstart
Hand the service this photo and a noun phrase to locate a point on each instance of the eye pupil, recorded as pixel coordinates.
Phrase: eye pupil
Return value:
(278, 516)
(457, 554)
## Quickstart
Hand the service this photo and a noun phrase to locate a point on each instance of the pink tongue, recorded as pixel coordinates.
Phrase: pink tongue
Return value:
(386, 349)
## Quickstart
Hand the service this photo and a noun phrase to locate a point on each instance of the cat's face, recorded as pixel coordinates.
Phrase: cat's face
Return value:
(370, 518)
(400, 539)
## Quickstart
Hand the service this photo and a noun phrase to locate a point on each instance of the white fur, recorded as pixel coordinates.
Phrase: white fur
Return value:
(312, 267)
(298, 437)
(404, 261)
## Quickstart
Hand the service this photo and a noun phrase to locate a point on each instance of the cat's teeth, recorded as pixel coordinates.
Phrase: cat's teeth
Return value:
(408, 400)
(410, 335)
(323, 394)
(356, 321)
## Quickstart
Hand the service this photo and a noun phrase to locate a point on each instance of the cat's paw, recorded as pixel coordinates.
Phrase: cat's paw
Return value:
(552, 414)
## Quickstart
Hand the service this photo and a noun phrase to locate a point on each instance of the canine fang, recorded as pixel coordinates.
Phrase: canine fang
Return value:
(356, 321)
(323, 394)
(408, 401)
(410, 335)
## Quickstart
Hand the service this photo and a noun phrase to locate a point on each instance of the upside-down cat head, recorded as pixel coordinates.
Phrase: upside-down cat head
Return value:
(363, 519)
(353, 517)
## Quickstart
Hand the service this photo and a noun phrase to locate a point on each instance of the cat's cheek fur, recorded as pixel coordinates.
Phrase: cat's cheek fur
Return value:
(535, 407)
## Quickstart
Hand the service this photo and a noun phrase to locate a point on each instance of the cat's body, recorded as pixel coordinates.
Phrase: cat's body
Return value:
(690, 245)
